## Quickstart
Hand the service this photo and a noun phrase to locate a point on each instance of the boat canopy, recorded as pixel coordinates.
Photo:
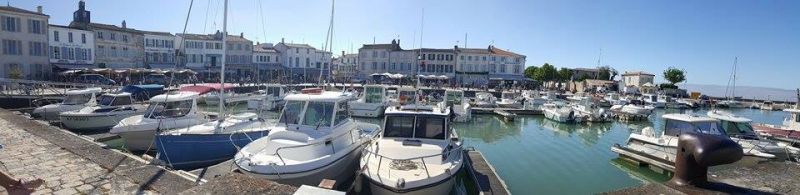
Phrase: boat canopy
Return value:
(205, 87)
(315, 109)
(175, 96)
(143, 92)
(91, 90)
(726, 116)
(677, 124)
(374, 93)
(115, 99)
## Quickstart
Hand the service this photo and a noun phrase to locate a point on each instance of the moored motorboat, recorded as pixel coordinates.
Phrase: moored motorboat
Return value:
(74, 100)
(109, 110)
(560, 113)
(418, 152)
(462, 111)
(271, 99)
(314, 139)
(739, 130)
(589, 112)
(165, 112)
(485, 100)
(371, 104)
(509, 99)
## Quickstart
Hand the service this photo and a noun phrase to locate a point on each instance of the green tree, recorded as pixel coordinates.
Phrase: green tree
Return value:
(545, 73)
(564, 74)
(583, 77)
(15, 73)
(674, 75)
(606, 73)
(530, 71)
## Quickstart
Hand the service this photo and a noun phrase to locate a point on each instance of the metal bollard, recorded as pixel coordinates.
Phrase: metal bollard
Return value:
(697, 152)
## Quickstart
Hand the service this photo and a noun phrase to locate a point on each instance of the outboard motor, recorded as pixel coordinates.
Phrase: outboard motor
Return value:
(697, 152)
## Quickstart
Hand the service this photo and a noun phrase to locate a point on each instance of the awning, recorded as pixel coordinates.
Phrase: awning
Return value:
(74, 66)
(162, 66)
(508, 77)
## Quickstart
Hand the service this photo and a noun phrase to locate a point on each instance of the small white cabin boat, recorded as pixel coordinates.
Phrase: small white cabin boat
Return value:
(371, 104)
(166, 112)
(461, 108)
(109, 110)
(74, 100)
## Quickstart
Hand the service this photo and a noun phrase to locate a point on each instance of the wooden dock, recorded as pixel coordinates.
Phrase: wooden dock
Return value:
(643, 159)
(483, 174)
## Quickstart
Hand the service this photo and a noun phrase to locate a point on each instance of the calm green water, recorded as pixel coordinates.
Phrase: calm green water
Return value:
(535, 155)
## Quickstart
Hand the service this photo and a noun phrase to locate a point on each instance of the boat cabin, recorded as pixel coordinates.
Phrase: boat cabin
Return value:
(114, 102)
(81, 96)
(677, 124)
(374, 94)
(735, 126)
(406, 96)
(275, 90)
(316, 109)
(416, 122)
(650, 98)
(454, 97)
(172, 105)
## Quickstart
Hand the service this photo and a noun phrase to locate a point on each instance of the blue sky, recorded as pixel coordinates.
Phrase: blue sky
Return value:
(702, 37)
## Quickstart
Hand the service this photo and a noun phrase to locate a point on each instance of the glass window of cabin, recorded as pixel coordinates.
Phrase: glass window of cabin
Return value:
(341, 113)
(374, 95)
(318, 114)
(675, 128)
(797, 117)
(168, 109)
(105, 100)
(274, 91)
(291, 112)
(430, 128)
(399, 126)
(454, 97)
(122, 100)
(77, 99)
(709, 127)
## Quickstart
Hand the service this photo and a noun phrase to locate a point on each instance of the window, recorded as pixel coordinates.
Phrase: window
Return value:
(462, 57)
(308, 51)
(342, 114)
(469, 58)
(431, 57)
(374, 95)
(113, 36)
(484, 58)
(291, 112)
(56, 53)
(430, 128)
(35, 27)
(374, 66)
(12, 47)
(10, 24)
(393, 67)
(308, 62)
(121, 101)
(296, 62)
(55, 36)
(36, 49)
(439, 57)
(83, 38)
(100, 35)
(125, 38)
(399, 126)
(69, 37)
(739, 129)
(383, 65)
(162, 110)
(77, 99)
(383, 54)
(318, 114)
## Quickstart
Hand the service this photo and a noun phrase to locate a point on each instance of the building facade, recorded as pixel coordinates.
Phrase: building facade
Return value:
(23, 38)
(637, 79)
(385, 58)
(159, 50)
(239, 57)
(115, 46)
(301, 60)
(71, 48)
(345, 67)
(268, 62)
(201, 53)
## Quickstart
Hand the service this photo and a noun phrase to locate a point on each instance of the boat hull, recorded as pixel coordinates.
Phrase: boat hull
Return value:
(138, 140)
(340, 170)
(442, 187)
(96, 122)
(192, 151)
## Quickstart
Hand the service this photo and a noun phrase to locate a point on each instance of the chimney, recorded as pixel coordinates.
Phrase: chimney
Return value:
(282, 40)
(124, 24)
(241, 35)
(39, 9)
(456, 47)
(342, 53)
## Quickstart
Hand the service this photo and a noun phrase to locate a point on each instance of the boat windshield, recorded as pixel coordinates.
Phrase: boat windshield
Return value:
(274, 91)
(425, 127)
(158, 110)
(77, 99)
(676, 128)
(737, 128)
(291, 112)
(509, 95)
(407, 97)
(105, 100)
(374, 94)
(318, 114)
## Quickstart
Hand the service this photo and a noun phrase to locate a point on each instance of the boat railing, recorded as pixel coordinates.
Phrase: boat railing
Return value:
(458, 149)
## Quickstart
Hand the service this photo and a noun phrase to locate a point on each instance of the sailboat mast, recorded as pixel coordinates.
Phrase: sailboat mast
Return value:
(733, 90)
(419, 55)
(222, 69)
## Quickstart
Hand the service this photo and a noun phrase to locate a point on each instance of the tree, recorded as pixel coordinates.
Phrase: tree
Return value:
(15, 73)
(606, 73)
(545, 73)
(674, 75)
(530, 71)
(564, 74)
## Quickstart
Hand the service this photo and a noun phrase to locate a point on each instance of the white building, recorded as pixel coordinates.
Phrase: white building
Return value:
(385, 58)
(23, 41)
(345, 67)
(159, 50)
(201, 53)
(268, 62)
(302, 61)
(71, 48)
(637, 79)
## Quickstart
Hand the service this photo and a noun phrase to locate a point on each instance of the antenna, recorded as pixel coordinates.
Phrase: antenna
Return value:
(465, 40)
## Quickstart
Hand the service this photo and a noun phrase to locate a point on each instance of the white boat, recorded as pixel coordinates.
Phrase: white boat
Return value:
(485, 100)
(739, 130)
(314, 139)
(589, 112)
(533, 101)
(212, 98)
(615, 99)
(664, 147)
(652, 100)
(271, 99)
(767, 105)
(74, 100)
(418, 152)
(633, 109)
(109, 110)
(688, 103)
(509, 99)
(578, 96)
(371, 103)
(166, 111)
(559, 112)
(461, 109)
(730, 104)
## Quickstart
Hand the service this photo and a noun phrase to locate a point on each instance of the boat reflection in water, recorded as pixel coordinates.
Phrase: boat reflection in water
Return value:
(589, 133)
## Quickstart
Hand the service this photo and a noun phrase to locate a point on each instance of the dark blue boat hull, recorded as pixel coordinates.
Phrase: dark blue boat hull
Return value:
(193, 151)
